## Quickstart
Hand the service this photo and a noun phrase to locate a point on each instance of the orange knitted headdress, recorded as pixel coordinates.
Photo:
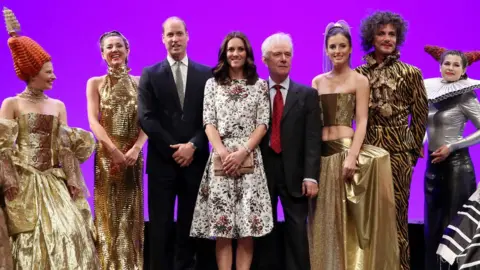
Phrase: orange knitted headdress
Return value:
(436, 52)
(28, 56)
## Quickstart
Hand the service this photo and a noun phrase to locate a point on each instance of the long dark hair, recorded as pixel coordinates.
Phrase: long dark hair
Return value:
(221, 70)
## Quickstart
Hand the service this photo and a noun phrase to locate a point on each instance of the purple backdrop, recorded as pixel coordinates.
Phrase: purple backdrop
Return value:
(70, 32)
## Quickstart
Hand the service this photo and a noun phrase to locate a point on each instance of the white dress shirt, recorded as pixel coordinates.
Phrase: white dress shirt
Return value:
(183, 69)
(284, 90)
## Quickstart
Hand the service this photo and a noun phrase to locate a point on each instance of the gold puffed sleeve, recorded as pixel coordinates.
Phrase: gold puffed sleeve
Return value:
(8, 136)
(75, 147)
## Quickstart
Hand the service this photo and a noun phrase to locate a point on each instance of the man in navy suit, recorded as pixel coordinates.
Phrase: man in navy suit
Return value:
(170, 106)
(291, 154)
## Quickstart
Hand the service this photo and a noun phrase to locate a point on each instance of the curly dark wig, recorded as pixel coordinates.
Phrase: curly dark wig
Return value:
(371, 24)
(221, 70)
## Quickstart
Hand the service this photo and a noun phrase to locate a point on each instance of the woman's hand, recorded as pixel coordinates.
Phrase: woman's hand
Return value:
(234, 161)
(118, 157)
(440, 154)
(349, 167)
(132, 155)
(74, 192)
(11, 193)
(223, 153)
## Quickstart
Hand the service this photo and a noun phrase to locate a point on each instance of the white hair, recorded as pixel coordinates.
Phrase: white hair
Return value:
(275, 39)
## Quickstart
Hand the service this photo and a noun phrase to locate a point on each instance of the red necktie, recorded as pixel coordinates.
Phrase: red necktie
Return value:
(275, 142)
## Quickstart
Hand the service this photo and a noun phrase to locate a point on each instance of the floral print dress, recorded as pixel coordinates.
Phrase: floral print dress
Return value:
(234, 207)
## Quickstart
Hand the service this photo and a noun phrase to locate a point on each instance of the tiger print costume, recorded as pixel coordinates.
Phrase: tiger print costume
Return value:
(397, 92)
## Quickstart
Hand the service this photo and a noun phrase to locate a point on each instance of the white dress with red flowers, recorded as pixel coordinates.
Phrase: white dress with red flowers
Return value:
(234, 207)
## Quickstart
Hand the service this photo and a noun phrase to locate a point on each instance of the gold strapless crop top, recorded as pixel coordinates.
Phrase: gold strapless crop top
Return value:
(338, 109)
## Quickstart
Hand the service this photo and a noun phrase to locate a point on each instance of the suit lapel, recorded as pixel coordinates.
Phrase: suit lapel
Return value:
(292, 97)
(172, 88)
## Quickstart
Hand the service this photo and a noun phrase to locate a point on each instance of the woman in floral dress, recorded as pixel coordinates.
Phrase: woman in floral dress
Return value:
(233, 200)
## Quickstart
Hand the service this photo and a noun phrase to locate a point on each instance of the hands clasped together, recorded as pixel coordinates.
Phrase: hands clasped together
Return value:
(232, 161)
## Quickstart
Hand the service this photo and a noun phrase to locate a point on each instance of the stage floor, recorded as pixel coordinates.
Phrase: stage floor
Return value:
(415, 237)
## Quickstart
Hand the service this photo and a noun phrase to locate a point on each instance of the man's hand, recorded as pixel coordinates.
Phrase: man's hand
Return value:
(421, 155)
(309, 189)
(184, 154)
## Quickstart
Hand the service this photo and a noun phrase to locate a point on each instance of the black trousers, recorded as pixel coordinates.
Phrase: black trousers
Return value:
(186, 252)
(295, 256)
(448, 185)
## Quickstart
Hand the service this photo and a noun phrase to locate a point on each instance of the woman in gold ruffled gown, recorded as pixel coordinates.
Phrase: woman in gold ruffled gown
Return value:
(48, 217)
(112, 113)
(352, 221)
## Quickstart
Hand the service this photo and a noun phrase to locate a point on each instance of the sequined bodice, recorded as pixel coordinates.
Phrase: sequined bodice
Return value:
(338, 109)
(37, 140)
(118, 111)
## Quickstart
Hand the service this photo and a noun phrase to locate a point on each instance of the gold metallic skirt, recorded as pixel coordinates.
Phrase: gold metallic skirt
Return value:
(49, 231)
(351, 224)
(6, 262)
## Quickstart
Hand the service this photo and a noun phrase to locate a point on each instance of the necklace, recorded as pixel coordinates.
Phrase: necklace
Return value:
(33, 95)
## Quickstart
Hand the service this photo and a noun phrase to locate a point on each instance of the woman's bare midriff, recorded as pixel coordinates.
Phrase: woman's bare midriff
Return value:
(336, 132)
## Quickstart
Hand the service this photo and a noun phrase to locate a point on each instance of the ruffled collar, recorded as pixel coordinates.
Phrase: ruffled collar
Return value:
(438, 89)
(383, 83)
(118, 72)
(371, 61)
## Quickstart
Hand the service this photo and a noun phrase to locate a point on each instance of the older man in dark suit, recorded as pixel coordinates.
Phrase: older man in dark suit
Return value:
(291, 153)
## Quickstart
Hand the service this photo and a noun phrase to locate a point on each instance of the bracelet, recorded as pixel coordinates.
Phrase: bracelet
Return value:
(111, 152)
(137, 147)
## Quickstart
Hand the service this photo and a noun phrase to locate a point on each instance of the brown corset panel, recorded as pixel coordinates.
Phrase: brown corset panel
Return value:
(338, 109)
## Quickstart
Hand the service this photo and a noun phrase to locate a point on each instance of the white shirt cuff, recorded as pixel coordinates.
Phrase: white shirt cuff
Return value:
(310, 180)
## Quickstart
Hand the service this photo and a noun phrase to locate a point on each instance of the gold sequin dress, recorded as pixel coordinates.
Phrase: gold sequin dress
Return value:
(48, 229)
(119, 190)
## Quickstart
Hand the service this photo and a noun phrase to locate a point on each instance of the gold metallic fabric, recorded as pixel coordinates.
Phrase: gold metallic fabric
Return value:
(338, 109)
(48, 229)
(6, 262)
(119, 190)
(351, 224)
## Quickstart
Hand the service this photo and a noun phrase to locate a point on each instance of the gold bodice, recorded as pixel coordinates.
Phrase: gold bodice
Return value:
(338, 109)
(37, 140)
(118, 111)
